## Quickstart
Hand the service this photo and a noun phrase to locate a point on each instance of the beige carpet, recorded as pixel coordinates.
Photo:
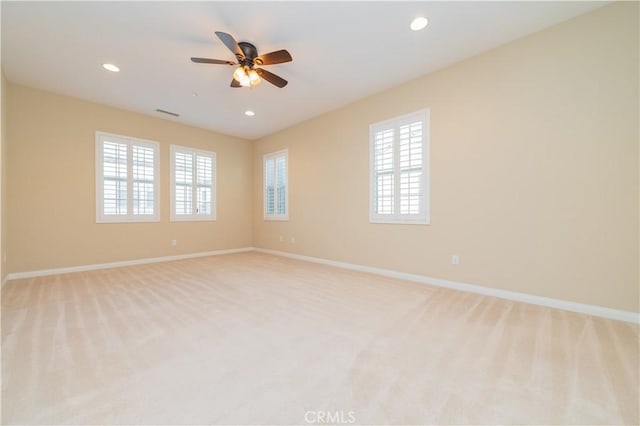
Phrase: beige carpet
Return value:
(254, 338)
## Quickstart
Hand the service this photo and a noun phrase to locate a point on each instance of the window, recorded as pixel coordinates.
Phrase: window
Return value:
(126, 179)
(399, 169)
(193, 189)
(276, 204)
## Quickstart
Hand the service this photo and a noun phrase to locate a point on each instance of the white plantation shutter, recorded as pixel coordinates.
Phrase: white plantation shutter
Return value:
(204, 181)
(269, 187)
(276, 186)
(143, 180)
(384, 178)
(114, 190)
(192, 184)
(410, 151)
(183, 183)
(399, 169)
(126, 179)
(281, 185)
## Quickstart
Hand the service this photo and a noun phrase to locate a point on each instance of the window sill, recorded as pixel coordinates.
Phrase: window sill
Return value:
(128, 220)
(400, 222)
(277, 218)
(193, 219)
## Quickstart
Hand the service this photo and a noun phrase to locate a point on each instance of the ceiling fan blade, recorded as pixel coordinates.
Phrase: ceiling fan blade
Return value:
(271, 78)
(212, 61)
(277, 57)
(235, 83)
(231, 44)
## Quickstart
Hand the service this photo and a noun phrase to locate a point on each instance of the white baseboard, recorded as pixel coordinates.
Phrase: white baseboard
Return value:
(598, 311)
(44, 272)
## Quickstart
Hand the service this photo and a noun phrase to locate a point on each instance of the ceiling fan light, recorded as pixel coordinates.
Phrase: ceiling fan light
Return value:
(254, 77)
(239, 74)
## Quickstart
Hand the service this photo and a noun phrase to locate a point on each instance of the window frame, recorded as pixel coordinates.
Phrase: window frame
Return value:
(130, 141)
(193, 217)
(274, 216)
(423, 217)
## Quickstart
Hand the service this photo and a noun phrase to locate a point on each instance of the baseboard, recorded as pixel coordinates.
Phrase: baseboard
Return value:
(598, 311)
(55, 271)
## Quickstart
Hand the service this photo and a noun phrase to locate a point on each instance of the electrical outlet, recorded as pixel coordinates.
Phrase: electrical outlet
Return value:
(174, 243)
(455, 259)
(281, 238)
(293, 240)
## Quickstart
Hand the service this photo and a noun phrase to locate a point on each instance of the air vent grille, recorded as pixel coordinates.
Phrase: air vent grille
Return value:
(168, 112)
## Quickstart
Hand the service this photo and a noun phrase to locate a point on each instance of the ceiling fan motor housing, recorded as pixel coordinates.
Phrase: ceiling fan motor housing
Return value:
(250, 53)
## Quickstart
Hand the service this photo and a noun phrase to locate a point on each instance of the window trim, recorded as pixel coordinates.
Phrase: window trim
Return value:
(274, 216)
(173, 217)
(425, 217)
(99, 176)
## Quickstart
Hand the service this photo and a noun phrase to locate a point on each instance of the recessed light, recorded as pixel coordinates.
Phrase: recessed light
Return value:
(111, 67)
(249, 113)
(194, 94)
(419, 23)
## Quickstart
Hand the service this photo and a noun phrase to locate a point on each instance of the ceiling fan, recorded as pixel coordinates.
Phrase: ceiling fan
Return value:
(246, 75)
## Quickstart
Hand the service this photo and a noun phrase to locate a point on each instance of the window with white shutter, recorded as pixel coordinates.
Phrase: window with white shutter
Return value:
(276, 204)
(126, 179)
(193, 179)
(399, 169)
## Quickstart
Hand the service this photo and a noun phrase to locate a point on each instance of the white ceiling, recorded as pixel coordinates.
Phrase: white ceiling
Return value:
(342, 51)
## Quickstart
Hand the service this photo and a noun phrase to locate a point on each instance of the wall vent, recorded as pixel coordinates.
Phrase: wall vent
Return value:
(168, 112)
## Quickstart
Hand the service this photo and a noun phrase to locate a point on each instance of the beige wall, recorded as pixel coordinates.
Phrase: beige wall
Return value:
(534, 169)
(51, 195)
(534, 174)
(3, 175)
